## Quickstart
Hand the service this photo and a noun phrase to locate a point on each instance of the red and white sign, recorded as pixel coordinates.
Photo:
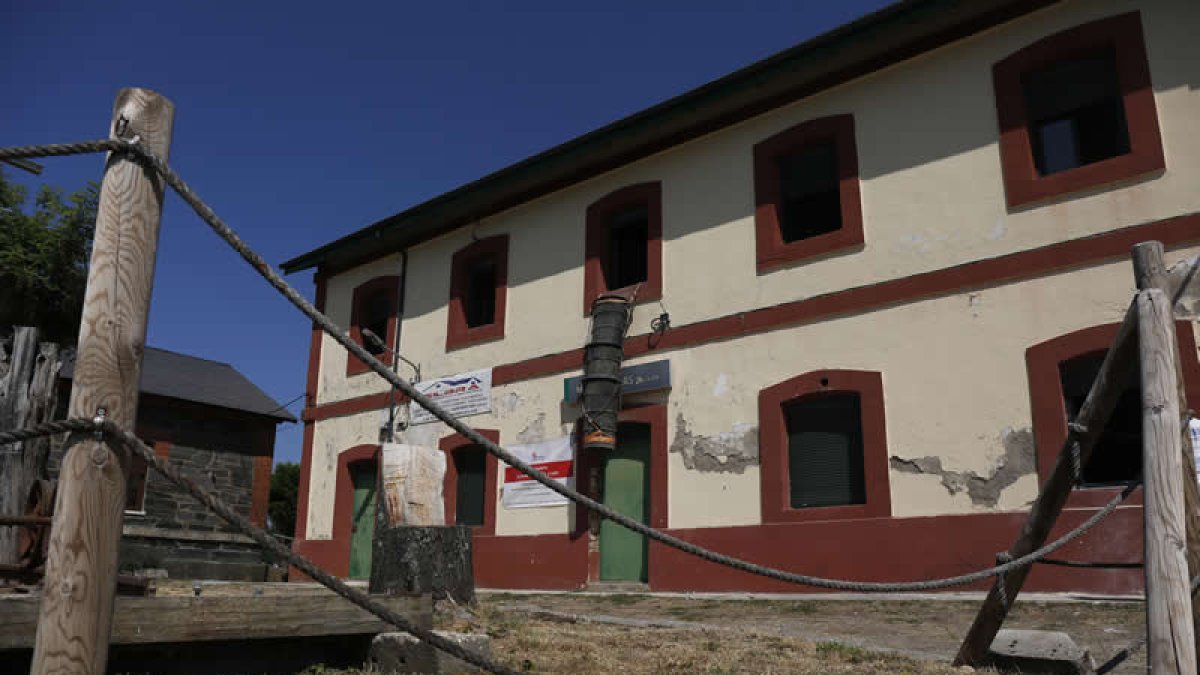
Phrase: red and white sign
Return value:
(552, 458)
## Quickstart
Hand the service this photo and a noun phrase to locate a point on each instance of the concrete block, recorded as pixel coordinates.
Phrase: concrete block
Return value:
(1039, 651)
(403, 653)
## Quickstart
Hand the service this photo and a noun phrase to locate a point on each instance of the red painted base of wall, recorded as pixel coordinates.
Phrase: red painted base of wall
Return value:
(870, 549)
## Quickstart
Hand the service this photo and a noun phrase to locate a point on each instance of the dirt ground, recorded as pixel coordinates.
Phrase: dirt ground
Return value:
(926, 633)
(636, 633)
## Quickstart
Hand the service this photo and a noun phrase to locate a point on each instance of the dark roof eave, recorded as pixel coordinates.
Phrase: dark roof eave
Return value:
(890, 35)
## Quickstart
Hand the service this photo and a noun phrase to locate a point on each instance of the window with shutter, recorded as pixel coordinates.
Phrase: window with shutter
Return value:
(825, 450)
(469, 464)
(1117, 456)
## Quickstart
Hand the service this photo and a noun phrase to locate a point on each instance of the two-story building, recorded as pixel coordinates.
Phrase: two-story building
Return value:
(889, 262)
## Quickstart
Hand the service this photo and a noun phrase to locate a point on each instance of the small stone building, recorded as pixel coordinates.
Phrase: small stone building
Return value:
(219, 429)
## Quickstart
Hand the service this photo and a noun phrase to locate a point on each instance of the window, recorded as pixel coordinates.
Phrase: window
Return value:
(806, 192)
(469, 465)
(478, 290)
(470, 484)
(374, 308)
(624, 244)
(823, 447)
(1117, 456)
(825, 450)
(1061, 371)
(1076, 111)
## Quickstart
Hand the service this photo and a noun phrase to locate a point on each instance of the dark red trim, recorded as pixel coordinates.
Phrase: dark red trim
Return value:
(898, 549)
(1022, 184)
(449, 444)
(333, 554)
(770, 250)
(260, 490)
(310, 404)
(388, 284)
(1172, 232)
(1046, 397)
(352, 406)
(596, 243)
(458, 334)
(773, 445)
(314, 346)
(870, 549)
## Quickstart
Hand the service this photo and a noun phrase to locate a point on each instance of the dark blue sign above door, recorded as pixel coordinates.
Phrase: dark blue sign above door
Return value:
(634, 380)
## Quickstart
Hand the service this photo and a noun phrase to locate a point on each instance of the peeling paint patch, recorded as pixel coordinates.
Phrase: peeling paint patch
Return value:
(535, 431)
(507, 403)
(998, 230)
(727, 452)
(721, 388)
(1184, 274)
(1018, 461)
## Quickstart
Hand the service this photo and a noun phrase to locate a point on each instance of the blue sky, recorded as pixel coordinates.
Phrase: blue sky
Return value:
(300, 122)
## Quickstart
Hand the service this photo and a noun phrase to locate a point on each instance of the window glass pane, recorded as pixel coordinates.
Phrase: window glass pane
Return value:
(479, 305)
(825, 450)
(376, 310)
(1076, 112)
(810, 201)
(1117, 457)
(469, 488)
(627, 254)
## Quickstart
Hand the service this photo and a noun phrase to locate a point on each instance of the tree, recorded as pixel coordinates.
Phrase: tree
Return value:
(281, 509)
(44, 254)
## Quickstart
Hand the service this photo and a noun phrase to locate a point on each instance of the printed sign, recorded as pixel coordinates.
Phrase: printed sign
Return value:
(552, 458)
(460, 395)
(634, 379)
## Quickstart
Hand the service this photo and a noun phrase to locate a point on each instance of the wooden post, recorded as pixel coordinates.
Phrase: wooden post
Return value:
(1116, 372)
(1171, 639)
(27, 397)
(1150, 271)
(81, 573)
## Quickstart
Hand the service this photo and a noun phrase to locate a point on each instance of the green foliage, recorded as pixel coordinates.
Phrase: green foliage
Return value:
(44, 253)
(281, 509)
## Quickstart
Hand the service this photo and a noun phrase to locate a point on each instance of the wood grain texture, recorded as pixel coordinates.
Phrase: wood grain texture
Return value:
(1150, 271)
(1171, 638)
(184, 619)
(14, 413)
(81, 572)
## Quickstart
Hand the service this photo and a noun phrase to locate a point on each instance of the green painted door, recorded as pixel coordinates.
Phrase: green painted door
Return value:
(626, 487)
(363, 525)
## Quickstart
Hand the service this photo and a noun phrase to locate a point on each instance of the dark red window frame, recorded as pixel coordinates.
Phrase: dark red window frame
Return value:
(1049, 411)
(448, 445)
(773, 445)
(596, 242)
(1123, 33)
(458, 334)
(390, 285)
(770, 249)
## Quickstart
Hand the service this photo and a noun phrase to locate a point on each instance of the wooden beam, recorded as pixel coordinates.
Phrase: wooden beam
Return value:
(1150, 271)
(81, 571)
(14, 414)
(188, 618)
(1170, 636)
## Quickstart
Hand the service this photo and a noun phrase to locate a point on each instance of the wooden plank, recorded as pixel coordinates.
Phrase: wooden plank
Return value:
(81, 570)
(1170, 637)
(189, 619)
(1150, 271)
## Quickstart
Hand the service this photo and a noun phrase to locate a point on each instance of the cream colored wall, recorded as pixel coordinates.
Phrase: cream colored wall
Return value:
(932, 198)
(954, 377)
(332, 437)
(931, 189)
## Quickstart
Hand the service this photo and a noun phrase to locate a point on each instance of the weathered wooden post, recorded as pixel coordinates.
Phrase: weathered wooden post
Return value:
(1150, 271)
(81, 572)
(1171, 638)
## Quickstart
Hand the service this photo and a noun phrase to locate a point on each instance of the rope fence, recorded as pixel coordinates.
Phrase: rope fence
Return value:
(360, 598)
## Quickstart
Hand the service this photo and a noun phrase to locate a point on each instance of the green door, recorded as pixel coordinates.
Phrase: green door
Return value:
(363, 523)
(626, 487)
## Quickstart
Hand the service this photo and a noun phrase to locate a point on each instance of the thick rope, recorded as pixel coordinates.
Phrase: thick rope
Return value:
(268, 542)
(272, 277)
(46, 429)
(1092, 565)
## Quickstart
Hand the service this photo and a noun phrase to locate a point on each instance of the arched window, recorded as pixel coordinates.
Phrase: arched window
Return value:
(624, 244)
(469, 490)
(374, 306)
(478, 292)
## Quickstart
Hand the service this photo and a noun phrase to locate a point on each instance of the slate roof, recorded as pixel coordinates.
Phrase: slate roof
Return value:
(190, 378)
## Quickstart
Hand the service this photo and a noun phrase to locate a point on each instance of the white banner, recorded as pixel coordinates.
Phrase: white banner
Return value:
(552, 458)
(460, 395)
